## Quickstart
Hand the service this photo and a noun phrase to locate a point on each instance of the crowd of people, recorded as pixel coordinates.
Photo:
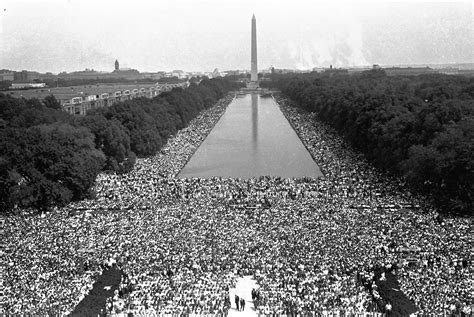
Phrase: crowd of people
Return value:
(432, 254)
(49, 260)
(183, 243)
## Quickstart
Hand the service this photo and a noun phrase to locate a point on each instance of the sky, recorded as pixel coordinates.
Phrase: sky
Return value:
(163, 35)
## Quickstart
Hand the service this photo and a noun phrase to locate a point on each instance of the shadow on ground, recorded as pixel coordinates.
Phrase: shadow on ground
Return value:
(95, 301)
(390, 291)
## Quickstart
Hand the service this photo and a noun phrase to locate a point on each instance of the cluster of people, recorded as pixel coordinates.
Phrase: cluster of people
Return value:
(432, 258)
(40, 259)
(48, 259)
(239, 303)
(183, 243)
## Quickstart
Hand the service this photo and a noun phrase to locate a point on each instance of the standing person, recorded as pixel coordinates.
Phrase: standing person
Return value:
(242, 304)
(237, 302)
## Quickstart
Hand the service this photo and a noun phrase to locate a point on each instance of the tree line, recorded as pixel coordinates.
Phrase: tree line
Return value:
(49, 157)
(418, 127)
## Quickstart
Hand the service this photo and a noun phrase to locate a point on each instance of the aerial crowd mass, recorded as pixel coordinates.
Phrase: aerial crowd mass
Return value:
(312, 245)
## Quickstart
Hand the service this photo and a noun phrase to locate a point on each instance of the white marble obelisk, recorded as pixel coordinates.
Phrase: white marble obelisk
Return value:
(253, 68)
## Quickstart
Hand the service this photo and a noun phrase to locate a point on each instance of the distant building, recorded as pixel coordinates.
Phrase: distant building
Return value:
(21, 76)
(179, 73)
(154, 76)
(48, 75)
(130, 74)
(216, 73)
(232, 72)
(333, 71)
(87, 74)
(6, 75)
(79, 105)
(25, 76)
(124, 72)
(27, 85)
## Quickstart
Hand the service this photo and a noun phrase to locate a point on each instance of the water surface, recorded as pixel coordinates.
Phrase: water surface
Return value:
(252, 139)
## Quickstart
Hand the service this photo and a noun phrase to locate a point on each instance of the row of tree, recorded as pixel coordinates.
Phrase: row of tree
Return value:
(418, 127)
(49, 157)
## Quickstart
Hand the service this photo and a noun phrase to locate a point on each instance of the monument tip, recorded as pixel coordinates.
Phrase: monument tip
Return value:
(253, 16)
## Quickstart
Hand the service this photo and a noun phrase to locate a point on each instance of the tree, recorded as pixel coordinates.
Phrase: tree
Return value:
(49, 157)
(111, 137)
(417, 127)
(51, 102)
(47, 165)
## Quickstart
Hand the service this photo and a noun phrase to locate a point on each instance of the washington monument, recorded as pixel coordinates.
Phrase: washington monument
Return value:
(253, 68)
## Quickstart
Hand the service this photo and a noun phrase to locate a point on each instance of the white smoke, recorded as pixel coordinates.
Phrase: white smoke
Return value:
(332, 38)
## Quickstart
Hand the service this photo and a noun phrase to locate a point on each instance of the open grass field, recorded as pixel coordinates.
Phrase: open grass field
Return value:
(66, 93)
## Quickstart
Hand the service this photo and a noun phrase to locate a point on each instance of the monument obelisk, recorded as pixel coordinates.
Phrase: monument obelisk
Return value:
(253, 66)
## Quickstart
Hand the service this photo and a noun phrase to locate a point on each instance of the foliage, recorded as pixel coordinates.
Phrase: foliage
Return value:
(150, 122)
(47, 165)
(25, 113)
(49, 157)
(51, 102)
(112, 139)
(5, 84)
(421, 128)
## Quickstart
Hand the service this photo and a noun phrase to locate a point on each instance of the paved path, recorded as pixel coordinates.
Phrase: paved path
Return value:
(243, 288)
(92, 304)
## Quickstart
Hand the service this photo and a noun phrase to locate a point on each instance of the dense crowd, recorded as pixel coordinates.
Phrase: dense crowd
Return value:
(48, 261)
(439, 279)
(183, 243)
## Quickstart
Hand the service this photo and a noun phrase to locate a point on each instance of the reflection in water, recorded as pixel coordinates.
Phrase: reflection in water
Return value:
(252, 138)
(254, 121)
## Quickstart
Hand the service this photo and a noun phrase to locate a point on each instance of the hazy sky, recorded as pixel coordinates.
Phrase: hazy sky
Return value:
(68, 35)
